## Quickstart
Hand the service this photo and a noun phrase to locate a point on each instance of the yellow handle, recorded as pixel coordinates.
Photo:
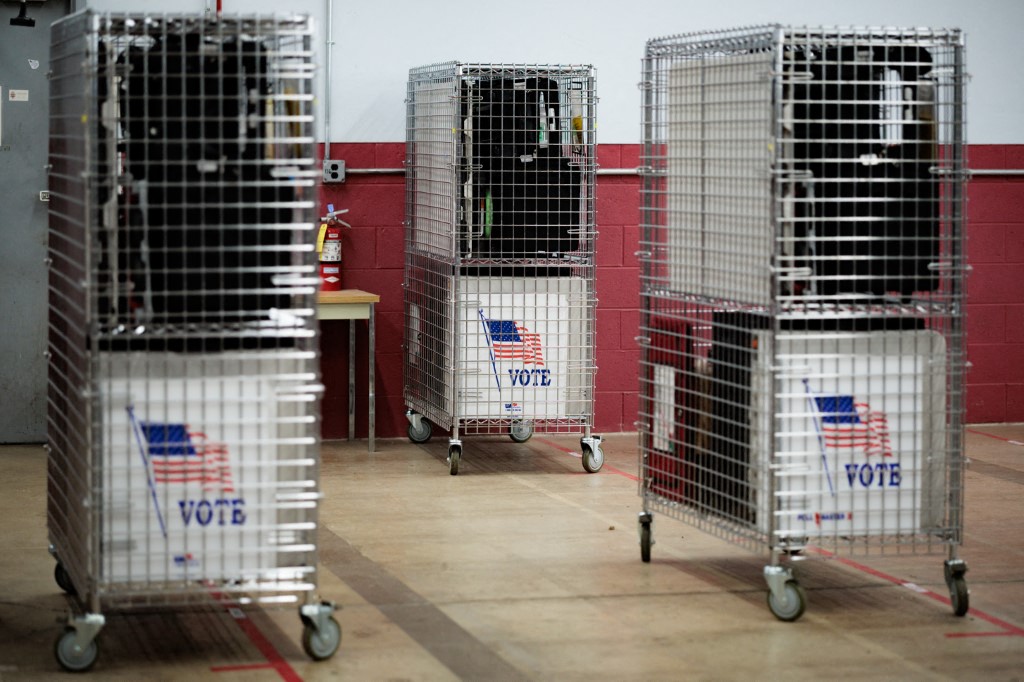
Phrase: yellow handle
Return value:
(320, 238)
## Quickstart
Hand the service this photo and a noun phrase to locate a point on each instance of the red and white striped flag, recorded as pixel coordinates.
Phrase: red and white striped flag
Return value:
(181, 456)
(846, 423)
(512, 341)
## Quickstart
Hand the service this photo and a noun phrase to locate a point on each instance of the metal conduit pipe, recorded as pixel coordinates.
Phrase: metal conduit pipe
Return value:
(327, 76)
(995, 171)
(393, 171)
(636, 171)
(374, 171)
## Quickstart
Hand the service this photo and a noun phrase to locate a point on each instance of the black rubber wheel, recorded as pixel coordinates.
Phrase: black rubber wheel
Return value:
(593, 459)
(796, 602)
(454, 456)
(71, 657)
(645, 542)
(63, 580)
(520, 432)
(959, 596)
(422, 434)
(323, 643)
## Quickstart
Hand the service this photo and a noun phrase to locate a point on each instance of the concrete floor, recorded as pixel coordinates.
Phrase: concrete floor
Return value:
(524, 567)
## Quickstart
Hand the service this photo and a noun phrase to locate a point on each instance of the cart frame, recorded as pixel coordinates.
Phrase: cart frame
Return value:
(802, 293)
(499, 327)
(184, 384)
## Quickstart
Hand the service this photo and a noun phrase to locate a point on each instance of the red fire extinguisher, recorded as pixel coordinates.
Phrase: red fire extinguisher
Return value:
(329, 248)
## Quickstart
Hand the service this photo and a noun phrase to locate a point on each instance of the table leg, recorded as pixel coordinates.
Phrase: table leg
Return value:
(351, 379)
(371, 322)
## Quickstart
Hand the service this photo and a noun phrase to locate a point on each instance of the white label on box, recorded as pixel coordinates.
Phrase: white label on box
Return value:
(17, 95)
(664, 380)
(194, 476)
(859, 437)
(522, 351)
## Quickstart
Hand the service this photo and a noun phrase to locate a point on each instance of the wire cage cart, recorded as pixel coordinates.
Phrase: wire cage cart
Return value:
(183, 410)
(802, 293)
(500, 243)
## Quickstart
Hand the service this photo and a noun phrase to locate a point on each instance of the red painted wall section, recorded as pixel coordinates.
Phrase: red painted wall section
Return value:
(995, 286)
(373, 260)
(618, 291)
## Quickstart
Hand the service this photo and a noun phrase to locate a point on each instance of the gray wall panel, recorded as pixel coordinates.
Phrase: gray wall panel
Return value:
(24, 58)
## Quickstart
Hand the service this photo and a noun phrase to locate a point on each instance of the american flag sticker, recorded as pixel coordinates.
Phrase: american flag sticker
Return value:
(846, 423)
(510, 340)
(180, 456)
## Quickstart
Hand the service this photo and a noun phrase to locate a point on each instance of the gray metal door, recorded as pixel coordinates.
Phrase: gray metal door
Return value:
(24, 114)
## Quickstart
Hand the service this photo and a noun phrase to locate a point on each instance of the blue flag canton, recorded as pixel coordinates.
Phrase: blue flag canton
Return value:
(504, 331)
(838, 409)
(168, 440)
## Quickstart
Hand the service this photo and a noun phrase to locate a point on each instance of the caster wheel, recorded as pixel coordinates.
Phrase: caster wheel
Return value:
(60, 575)
(72, 657)
(795, 602)
(321, 644)
(593, 458)
(520, 432)
(422, 434)
(959, 596)
(645, 542)
(454, 455)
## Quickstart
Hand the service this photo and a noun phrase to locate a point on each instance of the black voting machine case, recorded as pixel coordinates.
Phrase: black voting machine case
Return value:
(205, 225)
(526, 190)
(863, 136)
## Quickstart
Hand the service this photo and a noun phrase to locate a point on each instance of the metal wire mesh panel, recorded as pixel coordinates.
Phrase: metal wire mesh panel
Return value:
(802, 287)
(499, 278)
(184, 383)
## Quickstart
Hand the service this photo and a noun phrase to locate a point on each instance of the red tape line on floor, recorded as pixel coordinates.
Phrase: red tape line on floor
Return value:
(1008, 630)
(992, 435)
(256, 636)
